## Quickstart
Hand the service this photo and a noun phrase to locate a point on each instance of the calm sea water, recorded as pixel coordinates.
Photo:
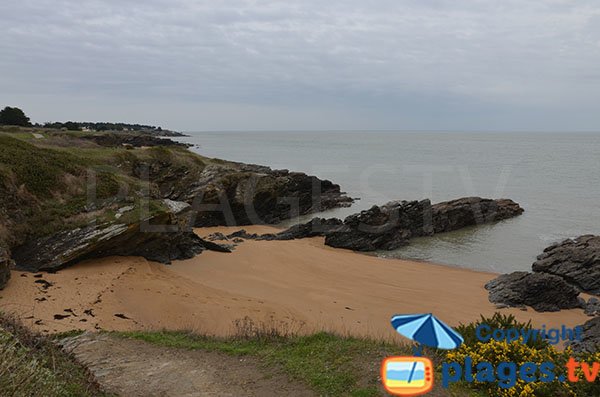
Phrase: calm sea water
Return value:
(555, 177)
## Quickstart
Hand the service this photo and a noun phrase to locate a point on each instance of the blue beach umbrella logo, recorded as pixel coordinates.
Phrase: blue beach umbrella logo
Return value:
(427, 330)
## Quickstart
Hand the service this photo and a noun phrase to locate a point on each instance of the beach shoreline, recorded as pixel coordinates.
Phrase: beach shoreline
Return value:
(296, 286)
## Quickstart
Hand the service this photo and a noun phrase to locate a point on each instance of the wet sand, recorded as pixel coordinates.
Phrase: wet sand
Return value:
(297, 286)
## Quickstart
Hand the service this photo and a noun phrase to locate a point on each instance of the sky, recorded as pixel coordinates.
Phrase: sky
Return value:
(197, 65)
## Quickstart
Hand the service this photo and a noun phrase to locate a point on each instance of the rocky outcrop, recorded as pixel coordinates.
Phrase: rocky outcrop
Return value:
(469, 211)
(249, 194)
(385, 227)
(577, 261)
(162, 237)
(132, 140)
(6, 264)
(392, 225)
(543, 292)
(315, 227)
(590, 338)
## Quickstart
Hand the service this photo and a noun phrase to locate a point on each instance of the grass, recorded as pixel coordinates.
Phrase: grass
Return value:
(39, 169)
(32, 365)
(332, 365)
(45, 183)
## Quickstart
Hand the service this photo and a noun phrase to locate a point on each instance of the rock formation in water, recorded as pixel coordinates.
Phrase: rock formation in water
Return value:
(392, 225)
(572, 262)
(385, 227)
(577, 261)
(543, 292)
(469, 211)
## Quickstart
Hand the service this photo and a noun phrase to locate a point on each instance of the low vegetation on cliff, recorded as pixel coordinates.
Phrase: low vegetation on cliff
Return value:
(32, 365)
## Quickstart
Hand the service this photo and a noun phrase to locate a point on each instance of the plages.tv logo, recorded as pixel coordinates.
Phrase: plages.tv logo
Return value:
(413, 375)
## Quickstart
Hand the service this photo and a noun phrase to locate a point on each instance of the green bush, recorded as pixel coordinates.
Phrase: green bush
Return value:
(538, 351)
(497, 321)
(37, 168)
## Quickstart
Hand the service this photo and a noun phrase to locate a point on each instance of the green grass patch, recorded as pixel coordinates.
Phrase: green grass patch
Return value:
(332, 365)
(37, 168)
(32, 365)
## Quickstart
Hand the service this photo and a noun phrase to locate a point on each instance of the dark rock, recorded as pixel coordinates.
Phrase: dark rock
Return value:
(385, 227)
(45, 284)
(590, 337)
(469, 211)
(313, 228)
(6, 264)
(592, 307)
(392, 225)
(543, 292)
(133, 140)
(216, 236)
(243, 234)
(242, 194)
(160, 238)
(577, 261)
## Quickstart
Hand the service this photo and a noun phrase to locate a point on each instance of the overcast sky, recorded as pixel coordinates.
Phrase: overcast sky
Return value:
(309, 64)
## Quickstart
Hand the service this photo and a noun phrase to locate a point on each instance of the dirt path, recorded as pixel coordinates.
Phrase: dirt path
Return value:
(129, 367)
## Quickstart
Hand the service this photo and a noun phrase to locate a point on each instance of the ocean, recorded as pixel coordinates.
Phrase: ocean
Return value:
(555, 177)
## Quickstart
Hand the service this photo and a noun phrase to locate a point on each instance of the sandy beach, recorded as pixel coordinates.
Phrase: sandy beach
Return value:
(298, 286)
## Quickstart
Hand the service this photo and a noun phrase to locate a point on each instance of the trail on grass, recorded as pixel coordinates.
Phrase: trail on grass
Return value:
(128, 367)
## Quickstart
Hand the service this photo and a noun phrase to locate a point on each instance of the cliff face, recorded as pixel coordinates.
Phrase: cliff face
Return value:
(162, 237)
(250, 194)
(67, 197)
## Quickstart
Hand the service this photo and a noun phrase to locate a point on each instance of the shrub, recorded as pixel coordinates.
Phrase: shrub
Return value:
(37, 168)
(32, 365)
(497, 321)
(496, 352)
(537, 352)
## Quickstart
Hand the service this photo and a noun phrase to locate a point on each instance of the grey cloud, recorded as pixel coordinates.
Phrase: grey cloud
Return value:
(432, 64)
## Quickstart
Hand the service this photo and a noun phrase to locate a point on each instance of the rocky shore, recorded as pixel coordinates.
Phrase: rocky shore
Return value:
(560, 273)
(392, 225)
(133, 194)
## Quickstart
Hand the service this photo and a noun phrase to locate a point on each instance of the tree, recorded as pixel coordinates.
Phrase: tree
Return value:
(72, 126)
(13, 116)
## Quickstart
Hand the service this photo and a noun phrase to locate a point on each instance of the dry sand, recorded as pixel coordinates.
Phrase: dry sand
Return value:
(298, 285)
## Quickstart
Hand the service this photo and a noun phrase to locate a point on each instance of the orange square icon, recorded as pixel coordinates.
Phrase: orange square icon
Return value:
(407, 376)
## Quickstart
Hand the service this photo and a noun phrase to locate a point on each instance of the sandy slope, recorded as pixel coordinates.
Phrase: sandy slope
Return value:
(298, 285)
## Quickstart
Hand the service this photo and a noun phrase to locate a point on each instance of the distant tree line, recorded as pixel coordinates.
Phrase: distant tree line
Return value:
(13, 116)
(101, 126)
